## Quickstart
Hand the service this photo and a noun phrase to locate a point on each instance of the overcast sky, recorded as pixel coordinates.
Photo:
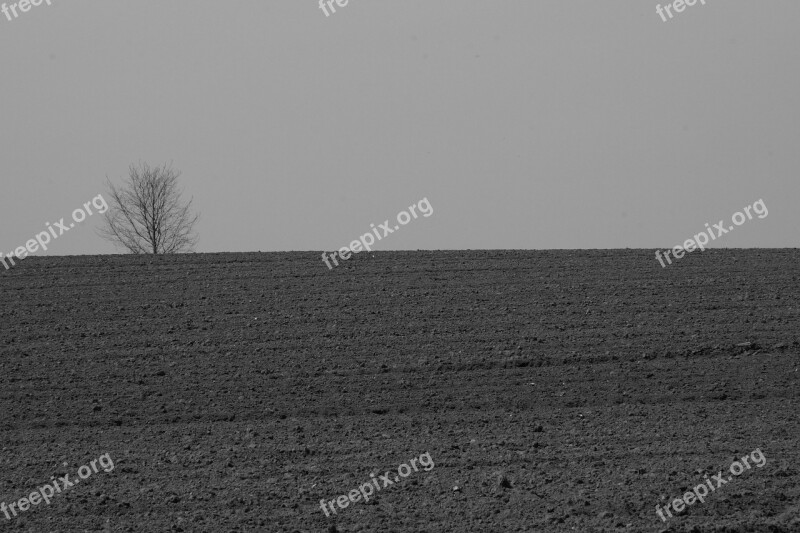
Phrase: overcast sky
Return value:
(526, 123)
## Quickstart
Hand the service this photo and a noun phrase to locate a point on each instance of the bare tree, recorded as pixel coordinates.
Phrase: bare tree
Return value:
(147, 216)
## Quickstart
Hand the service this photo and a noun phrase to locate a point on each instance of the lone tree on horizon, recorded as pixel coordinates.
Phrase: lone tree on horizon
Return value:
(147, 216)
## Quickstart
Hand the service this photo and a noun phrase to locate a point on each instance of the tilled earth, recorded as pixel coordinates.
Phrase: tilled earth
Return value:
(553, 391)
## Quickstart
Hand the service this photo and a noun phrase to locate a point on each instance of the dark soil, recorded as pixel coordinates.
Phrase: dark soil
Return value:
(554, 391)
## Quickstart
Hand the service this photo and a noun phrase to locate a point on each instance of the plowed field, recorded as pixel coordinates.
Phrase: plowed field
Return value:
(553, 391)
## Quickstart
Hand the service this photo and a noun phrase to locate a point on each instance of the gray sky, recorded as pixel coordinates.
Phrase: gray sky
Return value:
(526, 123)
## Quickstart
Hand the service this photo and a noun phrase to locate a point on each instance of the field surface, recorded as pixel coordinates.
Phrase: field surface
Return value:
(552, 391)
